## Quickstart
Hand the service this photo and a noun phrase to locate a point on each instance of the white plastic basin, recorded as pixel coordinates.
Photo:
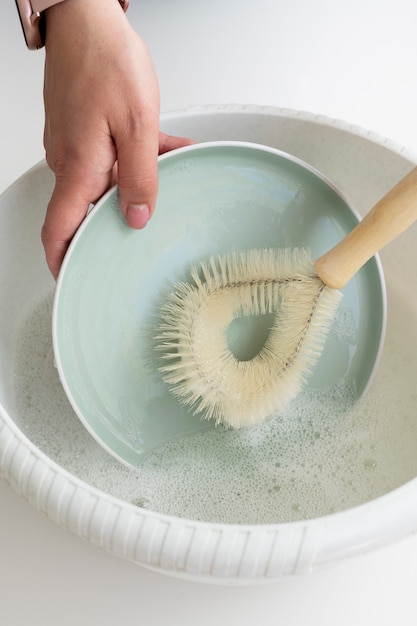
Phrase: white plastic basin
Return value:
(65, 476)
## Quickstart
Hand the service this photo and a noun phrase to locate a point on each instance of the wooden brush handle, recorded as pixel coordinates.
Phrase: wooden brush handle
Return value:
(390, 217)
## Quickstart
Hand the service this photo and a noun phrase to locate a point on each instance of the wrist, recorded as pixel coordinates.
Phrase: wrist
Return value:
(74, 28)
(33, 13)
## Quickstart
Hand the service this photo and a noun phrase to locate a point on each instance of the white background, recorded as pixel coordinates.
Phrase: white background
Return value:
(349, 60)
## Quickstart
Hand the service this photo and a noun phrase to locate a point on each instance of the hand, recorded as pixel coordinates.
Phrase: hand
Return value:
(101, 119)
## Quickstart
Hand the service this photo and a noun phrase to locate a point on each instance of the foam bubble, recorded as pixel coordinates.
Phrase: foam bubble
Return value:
(322, 455)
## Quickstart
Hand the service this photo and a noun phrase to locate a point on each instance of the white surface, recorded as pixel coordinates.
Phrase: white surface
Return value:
(354, 62)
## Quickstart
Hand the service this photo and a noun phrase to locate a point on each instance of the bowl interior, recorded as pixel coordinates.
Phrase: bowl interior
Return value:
(213, 198)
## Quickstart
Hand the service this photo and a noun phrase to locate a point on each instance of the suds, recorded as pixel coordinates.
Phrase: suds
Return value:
(322, 455)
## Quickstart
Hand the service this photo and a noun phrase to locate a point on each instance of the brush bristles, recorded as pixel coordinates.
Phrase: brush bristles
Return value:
(198, 364)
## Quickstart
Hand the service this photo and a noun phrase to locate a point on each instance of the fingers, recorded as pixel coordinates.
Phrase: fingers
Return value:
(137, 174)
(171, 142)
(61, 222)
(66, 210)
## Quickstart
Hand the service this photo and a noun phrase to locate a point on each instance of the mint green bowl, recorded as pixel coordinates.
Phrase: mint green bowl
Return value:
(213, 198)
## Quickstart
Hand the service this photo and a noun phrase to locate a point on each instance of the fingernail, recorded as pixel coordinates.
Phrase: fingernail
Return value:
(137, 215)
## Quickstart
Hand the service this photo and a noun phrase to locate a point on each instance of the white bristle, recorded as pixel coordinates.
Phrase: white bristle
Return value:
(197, 362)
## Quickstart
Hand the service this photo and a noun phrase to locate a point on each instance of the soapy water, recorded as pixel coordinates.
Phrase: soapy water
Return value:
(323, 455)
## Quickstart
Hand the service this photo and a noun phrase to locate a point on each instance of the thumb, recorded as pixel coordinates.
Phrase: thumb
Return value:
(137, 163)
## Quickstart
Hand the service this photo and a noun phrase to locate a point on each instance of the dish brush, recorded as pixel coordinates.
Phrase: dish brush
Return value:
(201, 369)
